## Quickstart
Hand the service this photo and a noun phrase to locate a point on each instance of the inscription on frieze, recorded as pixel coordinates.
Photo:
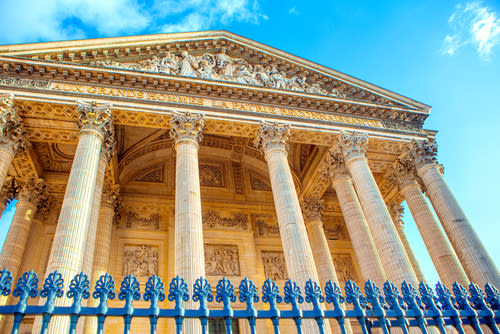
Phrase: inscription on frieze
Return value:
(222, 260)
(274, 265)
(212, 219)
(140, 261)
(136, 221)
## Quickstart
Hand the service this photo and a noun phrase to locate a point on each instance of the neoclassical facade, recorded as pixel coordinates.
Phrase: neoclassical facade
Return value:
(208, 154)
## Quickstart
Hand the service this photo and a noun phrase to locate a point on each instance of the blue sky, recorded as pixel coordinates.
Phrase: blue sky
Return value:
(443, 53)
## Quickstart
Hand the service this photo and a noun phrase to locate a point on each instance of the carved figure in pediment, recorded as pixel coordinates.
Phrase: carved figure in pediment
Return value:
(261, 75)
(297, 84)
(246, 76)
(225, 64)
(169, 64)
(207, 70)
(277, 77)
(140, 261)
(189, 65)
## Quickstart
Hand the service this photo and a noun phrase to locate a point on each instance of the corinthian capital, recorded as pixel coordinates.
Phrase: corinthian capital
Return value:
(11, 125)
(33, 190)
(396, 211)
(108, 148)
(9, 190)
(272, 135)
(353, 145)
(336, 164)
(424, 152)
(312, 208)
(403, 171)
(95, 117)
(110, 194)
(187, 126)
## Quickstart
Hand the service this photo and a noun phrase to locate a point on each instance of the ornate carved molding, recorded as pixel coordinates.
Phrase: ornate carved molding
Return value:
(155, 175)
(222, 67)
(353, 145)
(108, 149)
(212, 175)
(212, 219)
(312, 208)
(110, 195)
(187, 126)
(33, 191)
(258, 182)
(335, 164)
(140, 261)
(397, 212)
(266, 225)
(98, 118)
(335, 229)
(12, 132)
(135, 221)
(423, 152)
(272, 135)
(222, 260)
(403, 171)
(274, 265)
(238, 177)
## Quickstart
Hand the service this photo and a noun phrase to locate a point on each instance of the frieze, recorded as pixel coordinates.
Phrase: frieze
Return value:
(140, 261)
(135, 221)
(222, 67)
(24, 83)
(212, 219)
(222, 260)
(274, 265)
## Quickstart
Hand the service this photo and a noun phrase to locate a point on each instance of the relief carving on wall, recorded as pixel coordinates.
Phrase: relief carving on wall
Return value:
(258, 183)
(222, 260)
(135, 221)
(140, 261)
(211, 175)
(334, 229)
(155, 176)
(344, 267)
(212, 219)
(222, 67)
(266, 225)
(274, 265)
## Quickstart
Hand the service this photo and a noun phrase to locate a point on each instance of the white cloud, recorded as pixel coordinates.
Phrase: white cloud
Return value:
(473, 24)
(49, 20)
(293, 11)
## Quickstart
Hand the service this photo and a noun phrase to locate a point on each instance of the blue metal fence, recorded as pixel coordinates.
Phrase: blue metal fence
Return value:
(392, 309)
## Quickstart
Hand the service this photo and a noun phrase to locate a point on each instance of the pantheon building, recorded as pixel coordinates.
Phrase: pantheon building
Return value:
(209, 154)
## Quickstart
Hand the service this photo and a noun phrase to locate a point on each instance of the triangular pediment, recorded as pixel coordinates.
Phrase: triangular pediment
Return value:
(214, 57)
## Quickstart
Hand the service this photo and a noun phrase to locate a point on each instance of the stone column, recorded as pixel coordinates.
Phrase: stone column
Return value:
(312, 209)
(109, 203)
(189, 253)
(107, 152)
(397, 211)
(471, 252)
(359, 232)
(31, 194)
(68, 248)
(7, 193)
(391, 251)
(12, 132)
(299, 258)
(442, 255)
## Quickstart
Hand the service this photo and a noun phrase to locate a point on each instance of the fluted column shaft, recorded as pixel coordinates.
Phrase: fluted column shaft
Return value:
(189, 247)
(442, 255)
(400, 228)
(473, 256)
(359, 232)
(390, 249)
(6, 158)
(69, 245)
(297, 250)
(94, 217)
(101, 254)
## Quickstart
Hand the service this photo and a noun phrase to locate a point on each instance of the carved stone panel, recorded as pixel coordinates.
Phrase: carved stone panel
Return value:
(212, 175)
(136, 221)
(140, 261)
(222, 260)
(213, 219)
(155, 176)
(266, 225)
(274, 265)
(335, 229)
(258, 182)
(344, 267)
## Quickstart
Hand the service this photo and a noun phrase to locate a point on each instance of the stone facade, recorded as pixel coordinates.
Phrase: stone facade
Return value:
(212, 155)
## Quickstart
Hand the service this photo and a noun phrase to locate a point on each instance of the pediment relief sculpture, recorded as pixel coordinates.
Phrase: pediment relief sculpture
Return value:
(222, 67)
